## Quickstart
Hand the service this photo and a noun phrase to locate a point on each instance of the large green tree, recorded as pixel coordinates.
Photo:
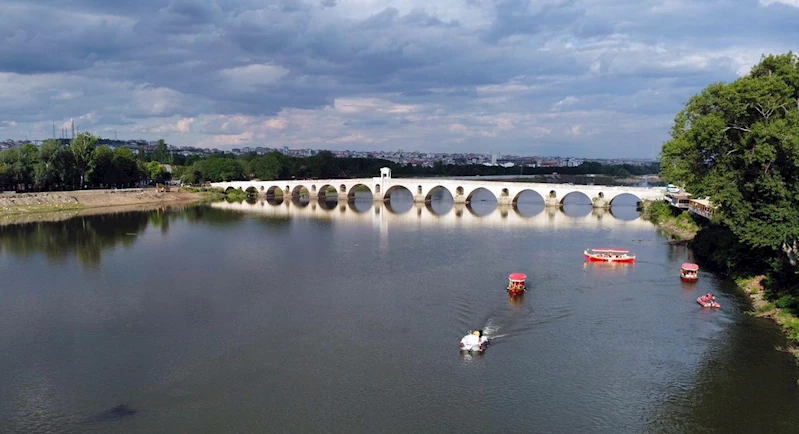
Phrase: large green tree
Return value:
(738, 143)
(82, 149)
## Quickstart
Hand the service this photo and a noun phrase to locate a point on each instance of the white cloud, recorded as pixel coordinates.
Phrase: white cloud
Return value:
(254, 75)
(794, 3)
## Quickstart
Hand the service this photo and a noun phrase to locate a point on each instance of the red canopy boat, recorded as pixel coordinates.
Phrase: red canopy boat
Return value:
(517, 283)
(689, 272)
(609, 255)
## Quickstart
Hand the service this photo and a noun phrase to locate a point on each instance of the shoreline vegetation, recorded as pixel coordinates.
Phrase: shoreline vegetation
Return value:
(736, 144)
(678, 226)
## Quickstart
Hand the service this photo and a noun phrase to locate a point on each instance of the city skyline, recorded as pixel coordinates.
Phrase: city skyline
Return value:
(582, 78)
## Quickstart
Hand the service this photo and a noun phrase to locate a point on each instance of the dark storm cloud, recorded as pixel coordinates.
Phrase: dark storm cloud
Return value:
(471, 74)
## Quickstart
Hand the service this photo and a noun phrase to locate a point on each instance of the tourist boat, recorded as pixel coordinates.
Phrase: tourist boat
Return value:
(689, 272)
(517, 283)
(475, 341)
(707, 303)
(609, 255)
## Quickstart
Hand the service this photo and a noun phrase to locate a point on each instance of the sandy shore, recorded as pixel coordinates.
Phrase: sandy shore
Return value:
(54, 206)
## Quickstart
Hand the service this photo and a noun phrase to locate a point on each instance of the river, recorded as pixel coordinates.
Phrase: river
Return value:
(327, 317)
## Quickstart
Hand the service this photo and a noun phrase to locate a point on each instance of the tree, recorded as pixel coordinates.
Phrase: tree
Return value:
(19, 165)
(82, 148)
(126, 168)
(47, 173)
(102, 167)
(270, 166)
(738, 143)
(157, 172)
(161, 153)
(219, 169)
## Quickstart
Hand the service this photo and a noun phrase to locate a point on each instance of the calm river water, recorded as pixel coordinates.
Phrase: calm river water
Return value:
(328, 317)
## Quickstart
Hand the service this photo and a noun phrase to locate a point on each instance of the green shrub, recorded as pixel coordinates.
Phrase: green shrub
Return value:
(237, 195)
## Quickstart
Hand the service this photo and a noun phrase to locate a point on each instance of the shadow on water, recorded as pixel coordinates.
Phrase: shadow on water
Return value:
(747, 373)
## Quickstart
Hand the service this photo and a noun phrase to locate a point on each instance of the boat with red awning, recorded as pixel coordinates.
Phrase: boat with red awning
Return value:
(609, 255)
(517, 283)
(689, 272)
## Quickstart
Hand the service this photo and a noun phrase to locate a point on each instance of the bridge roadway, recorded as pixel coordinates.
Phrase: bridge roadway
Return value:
(382, 215)
(422, 189)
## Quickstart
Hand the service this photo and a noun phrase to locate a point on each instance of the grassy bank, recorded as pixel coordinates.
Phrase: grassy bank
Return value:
(207, 194)
(769, 302)
(30, 205)
(678, 225)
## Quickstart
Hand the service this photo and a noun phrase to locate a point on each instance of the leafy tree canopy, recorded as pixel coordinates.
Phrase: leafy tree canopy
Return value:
(738, 143)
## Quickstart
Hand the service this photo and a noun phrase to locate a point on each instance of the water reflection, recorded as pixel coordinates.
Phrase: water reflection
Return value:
(477, 214)
(88, 237)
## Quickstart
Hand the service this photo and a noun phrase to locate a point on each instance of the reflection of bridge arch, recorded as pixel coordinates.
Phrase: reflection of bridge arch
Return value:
(502, 216)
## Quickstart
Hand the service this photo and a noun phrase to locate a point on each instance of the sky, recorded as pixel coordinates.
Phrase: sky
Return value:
(582, 78)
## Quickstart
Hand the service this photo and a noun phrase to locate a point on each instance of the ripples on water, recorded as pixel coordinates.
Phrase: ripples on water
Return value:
(309, 316)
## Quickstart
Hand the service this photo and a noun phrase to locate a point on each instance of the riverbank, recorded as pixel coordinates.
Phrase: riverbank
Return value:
(679, 227)
(755, 288)
(28, 207)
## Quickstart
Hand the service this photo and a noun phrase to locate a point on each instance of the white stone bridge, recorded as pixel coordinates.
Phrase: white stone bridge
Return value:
(422, 189)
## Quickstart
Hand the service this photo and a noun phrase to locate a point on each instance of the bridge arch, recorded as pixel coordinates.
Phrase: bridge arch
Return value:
(480, 191)
(229, 189)
(438, 190)
(275, 191)
(395, 189)
(528, 195)
(251, 190)
(300, 191)
(576, 196)
(356, 188)
(327, 191)
(481, 207)
(625, 199)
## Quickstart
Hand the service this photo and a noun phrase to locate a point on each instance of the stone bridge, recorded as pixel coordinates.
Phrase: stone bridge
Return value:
(423, 189)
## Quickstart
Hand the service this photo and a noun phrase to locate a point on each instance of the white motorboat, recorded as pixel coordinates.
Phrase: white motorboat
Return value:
(474, 341)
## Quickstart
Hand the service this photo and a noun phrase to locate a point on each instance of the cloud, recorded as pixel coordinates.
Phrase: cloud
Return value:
(254, 75)
(793, 3)
(583, 77)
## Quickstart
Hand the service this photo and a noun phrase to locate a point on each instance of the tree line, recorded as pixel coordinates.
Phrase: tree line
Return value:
(81, 164)
(738, 144)
(325, 165)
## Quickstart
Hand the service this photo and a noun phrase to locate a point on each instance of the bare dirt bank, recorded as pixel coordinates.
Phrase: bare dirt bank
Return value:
(16, 208)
